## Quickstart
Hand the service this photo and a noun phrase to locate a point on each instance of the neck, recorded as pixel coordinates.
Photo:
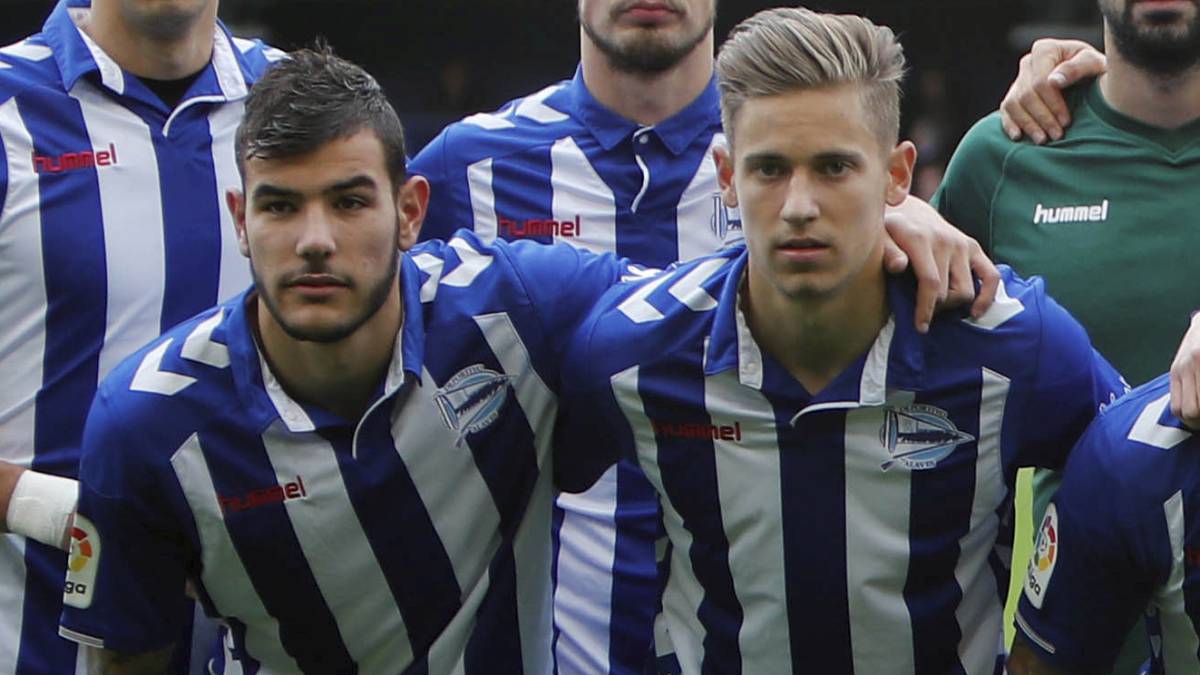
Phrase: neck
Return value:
(1163, 101)
(817, 338)
(646, 98)
(338, 376)
(172, 56)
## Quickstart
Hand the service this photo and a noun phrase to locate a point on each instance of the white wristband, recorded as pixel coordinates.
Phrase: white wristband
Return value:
(41, 506)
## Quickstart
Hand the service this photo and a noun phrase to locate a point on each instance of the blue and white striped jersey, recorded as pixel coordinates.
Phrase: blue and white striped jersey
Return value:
(854, 531)
(1121, 538)
(112, 228)
(416, 540)
(558, 166)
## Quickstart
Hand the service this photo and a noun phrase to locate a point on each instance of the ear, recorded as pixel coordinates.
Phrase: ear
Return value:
(412, 199)
(900, 172)
(724, 161)
(235, 201)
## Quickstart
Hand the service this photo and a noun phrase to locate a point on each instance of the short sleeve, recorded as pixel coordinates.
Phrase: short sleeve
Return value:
(1091, 573)
(127, 569)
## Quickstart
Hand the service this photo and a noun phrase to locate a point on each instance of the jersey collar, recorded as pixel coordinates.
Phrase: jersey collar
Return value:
(896, 360)
(77, 55)
(676, 132)
(261, 394)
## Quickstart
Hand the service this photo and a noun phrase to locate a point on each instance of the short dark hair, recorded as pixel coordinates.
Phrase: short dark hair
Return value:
(314, 97)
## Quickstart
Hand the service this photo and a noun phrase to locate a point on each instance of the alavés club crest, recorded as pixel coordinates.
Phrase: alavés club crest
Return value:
(472, 399)
(918, 436)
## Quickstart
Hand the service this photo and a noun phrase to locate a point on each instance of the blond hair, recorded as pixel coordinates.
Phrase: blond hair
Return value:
(787, 49)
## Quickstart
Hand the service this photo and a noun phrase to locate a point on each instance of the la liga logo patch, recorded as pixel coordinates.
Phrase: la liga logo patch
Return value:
(1044, 558)
(82, 562)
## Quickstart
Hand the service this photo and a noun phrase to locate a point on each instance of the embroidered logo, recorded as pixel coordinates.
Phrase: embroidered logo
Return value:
(724, 222)
(919, 436)
(1083, 213)
(70, 161)
(540, 227)
(471, 400)
(1045, 556)
(81, 563)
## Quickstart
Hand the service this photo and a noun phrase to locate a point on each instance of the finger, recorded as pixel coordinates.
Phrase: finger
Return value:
(1087, 63)
(989, 281)
(895, 260)
(1011, 127)
(1023, 120)
(1176, 390)
(929, 285)
(1035, 107)
(1190, 392)
(1051, 99)
(960, 285)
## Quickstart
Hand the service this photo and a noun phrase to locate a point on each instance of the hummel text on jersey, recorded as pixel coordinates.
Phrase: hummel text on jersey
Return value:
(1086, 213)
(69, 161)
(727, 432)
(534, 227)
(275, 494)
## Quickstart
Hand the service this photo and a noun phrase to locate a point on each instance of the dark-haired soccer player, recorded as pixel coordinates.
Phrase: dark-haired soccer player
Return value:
(833, 482)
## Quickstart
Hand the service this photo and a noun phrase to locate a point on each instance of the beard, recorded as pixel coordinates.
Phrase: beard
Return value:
(648, 53)
(377, 295)
(1153, 45)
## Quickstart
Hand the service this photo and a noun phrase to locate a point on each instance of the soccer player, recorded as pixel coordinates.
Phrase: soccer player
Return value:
(1118, 542)
(346, 460)
(1113, 199)
(619, 159)
(833, 482)
(116, 145)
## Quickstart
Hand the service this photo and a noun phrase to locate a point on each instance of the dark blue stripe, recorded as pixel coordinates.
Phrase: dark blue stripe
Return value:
(495, 644)
(418, 570)
(522, 191)
(556, 546)
(191, 216)
(940, 516)
(689, 477)
(813, 478)
(268, 546)
(77, 288)
(635, 587)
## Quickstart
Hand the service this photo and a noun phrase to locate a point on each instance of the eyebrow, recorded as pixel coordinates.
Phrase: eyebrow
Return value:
(266, 190)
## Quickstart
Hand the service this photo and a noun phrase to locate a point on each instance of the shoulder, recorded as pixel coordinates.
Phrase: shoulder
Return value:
(535, 120)
(1018, 306)
(257, 55)
(25, 65)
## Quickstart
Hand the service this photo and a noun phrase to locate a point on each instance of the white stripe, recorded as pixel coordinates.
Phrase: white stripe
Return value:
(222, 127)
(980, 614)
(682, 597)
(1002, 309)
(1180, 642)
(224, 576)
(534, 107)
(135, 261)
(471, 264)
(694, 213)
(878, 507)
(637, 307)
(748, 483)
(1147, 429)
(151, 378)
(12, 597)
(458, 502)
(431, 265)
(199, 345)
(750, 361)
(688, 291)
(537, 401)
(488, 121)
(111, 74)
(339, 554)
(579, 191)
(225, 64)
(23, 287)
(292, 413)
(583, 595)
(872, 387)
(28, 51)
(483, 199)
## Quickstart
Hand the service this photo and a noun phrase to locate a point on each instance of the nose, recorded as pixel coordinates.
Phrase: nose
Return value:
(800, 205)
(316, 236)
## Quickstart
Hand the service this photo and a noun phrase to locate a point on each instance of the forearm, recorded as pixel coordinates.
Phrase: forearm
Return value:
(1024, 661)
(105, 662)
(36, 505)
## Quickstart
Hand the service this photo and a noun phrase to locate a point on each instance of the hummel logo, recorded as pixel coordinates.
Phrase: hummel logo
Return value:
(1087, 213)
(69, 161)
(726, 432)
(276, 494)
(535, 227)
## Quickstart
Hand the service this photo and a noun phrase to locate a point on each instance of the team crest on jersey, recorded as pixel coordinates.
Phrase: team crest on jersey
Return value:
(471, 400)
(1044, 558)
(724, 220)
(918, 436)
(81, 563)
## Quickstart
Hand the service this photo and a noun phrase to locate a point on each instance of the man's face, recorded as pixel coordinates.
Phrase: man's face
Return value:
(811, 178)
(1161, 36)
(646, 36)
(323, 232)
(164, 19)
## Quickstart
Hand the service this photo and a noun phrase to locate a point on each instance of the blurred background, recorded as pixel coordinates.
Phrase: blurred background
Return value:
(442, 59)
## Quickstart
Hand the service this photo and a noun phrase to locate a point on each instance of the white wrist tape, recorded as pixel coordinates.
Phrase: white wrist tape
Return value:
(41, 506)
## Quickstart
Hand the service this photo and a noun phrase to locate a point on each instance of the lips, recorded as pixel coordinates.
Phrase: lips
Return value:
(316, 281)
